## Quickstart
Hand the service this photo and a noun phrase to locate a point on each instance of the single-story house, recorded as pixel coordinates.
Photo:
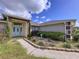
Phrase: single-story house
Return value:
(65, 26)
(21, 27)
(18, 26)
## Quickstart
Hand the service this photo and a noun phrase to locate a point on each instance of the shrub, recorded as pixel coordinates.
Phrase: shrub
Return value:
(40, 43)
(34, 33)
(51, 45)
(52, 35)
(77, 45)
(29, 36)
(62, 38)
(76, 37)
(67, 44)
(34, 40)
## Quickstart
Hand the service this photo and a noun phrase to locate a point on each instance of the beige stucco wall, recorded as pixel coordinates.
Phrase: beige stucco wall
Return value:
(26, 29)
(2, 27)
(54, 27)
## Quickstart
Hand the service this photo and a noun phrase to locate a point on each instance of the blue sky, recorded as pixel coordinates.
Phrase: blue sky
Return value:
(60, 9)
(42, 10)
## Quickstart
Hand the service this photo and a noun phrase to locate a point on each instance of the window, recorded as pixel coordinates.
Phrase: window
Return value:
(68, 23)
(67, 36)
(67, 27)
(17, 29)
(13, 29)
(69, 32)
(21, 29)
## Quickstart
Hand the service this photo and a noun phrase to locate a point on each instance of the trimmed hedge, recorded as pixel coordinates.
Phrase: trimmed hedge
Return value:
(51, 35)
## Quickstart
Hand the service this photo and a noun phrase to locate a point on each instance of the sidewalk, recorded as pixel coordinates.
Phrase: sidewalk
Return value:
(51, 54)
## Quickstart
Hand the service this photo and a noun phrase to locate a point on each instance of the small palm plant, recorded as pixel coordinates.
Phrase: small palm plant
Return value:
(67, 44)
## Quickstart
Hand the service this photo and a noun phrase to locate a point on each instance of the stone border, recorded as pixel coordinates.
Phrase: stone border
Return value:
(52, 48)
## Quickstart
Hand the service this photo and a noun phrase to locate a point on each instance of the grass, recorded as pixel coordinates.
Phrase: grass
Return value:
(13, 50)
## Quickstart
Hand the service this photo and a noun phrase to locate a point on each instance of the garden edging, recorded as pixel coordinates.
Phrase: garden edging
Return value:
(52, 48)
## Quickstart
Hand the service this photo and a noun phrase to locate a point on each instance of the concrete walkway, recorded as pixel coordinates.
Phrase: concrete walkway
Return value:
(51, 54)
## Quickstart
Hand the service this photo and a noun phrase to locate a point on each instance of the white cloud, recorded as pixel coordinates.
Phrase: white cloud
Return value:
(48, 19)
(24, 14)
(36, 6)
(43, 17)
(48, 6)
(25, 7)
(40, 21)
(37, 17)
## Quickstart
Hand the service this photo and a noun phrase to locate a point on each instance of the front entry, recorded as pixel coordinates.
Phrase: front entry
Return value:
(17, 30)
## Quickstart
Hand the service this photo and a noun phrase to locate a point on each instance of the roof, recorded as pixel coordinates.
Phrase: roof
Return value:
(12, 17)
(17, 17)
(55, 21)
(34, 23)
(3, 22)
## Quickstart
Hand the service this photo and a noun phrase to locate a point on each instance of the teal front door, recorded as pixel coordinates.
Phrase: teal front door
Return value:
(17, 30)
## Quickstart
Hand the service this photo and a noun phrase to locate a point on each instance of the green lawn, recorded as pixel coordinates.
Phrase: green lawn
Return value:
(13, 50)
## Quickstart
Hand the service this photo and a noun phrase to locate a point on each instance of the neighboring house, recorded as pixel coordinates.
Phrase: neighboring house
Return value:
(18, 26)
(65, 26)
